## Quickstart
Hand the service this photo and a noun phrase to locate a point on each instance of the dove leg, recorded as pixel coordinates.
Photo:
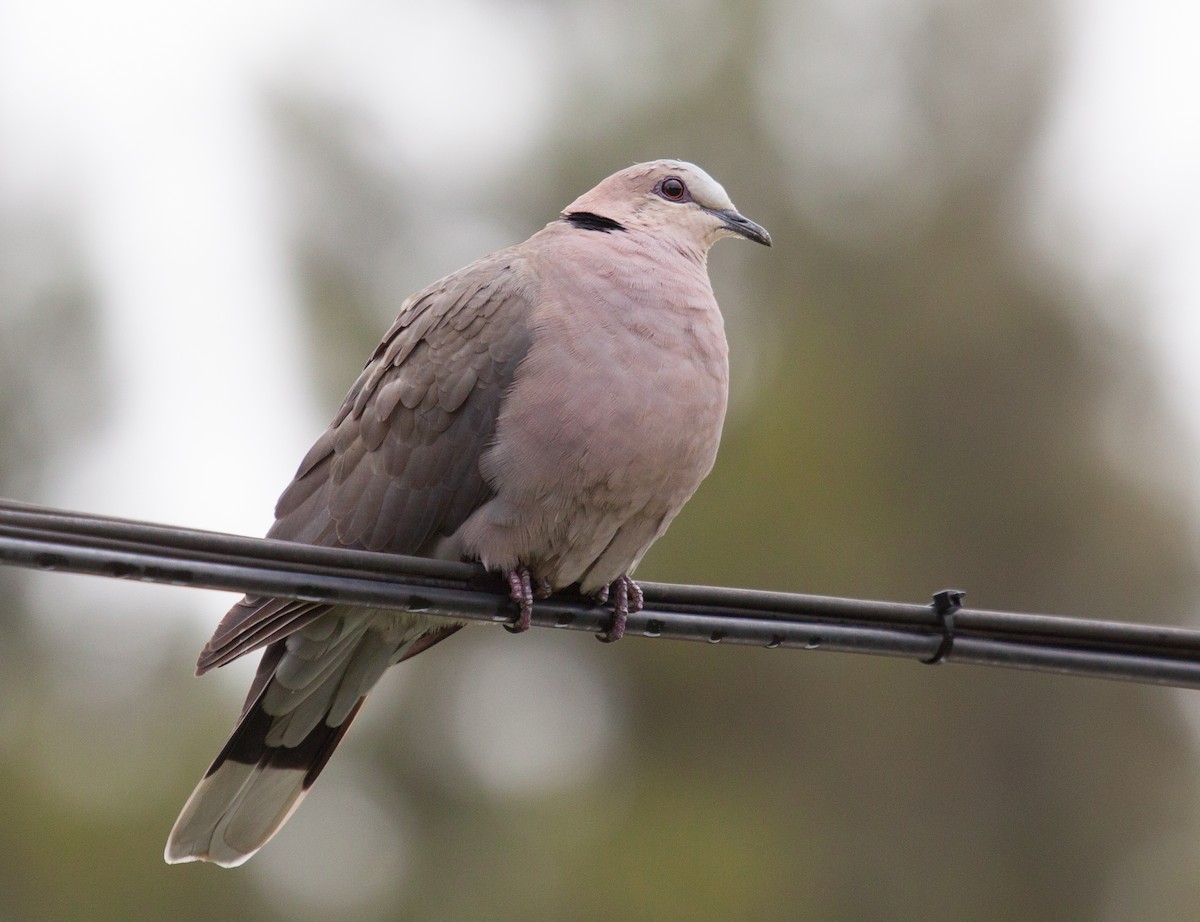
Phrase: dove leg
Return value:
(520, 590)
(627, 599)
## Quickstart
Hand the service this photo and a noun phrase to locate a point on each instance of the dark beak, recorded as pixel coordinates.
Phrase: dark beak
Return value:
(744, 227)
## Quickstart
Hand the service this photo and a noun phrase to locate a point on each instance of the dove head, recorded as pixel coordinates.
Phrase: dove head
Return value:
(666, 198)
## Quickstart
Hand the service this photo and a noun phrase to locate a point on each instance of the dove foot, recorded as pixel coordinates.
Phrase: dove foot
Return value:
(523, 588)
(627, 600)
(520, 590)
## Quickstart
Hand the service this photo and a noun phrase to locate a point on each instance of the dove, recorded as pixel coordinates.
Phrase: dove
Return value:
(545, 411)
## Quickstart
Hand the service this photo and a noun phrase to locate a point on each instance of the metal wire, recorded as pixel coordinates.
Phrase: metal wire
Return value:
(52, 539)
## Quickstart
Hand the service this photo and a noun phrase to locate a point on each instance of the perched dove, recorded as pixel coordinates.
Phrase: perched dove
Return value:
(547, 411)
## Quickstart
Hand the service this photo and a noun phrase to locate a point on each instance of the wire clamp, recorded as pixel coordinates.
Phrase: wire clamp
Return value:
(945, 604)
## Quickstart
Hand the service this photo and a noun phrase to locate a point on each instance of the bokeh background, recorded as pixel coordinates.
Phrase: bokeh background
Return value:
(970, 359)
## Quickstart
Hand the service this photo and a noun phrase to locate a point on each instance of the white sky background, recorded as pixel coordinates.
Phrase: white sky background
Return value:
(142, 131)
(145, 123)
(127, 115)
(1117, 192)
(144, 126)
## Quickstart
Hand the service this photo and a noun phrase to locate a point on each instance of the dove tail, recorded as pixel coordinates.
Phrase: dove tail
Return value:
(250, 790)
(299, 708)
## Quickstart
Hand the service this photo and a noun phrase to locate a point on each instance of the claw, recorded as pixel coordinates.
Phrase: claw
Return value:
(627, 600)
(520, 590)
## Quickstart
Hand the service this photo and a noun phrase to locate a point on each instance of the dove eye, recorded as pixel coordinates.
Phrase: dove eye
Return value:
(672, 188)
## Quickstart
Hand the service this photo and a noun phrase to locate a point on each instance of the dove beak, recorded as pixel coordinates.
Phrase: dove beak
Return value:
(743, 226)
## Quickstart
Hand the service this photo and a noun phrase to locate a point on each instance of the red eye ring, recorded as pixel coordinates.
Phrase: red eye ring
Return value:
(673, 188)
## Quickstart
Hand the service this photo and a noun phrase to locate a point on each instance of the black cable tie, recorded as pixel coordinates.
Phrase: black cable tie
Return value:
(945, 604)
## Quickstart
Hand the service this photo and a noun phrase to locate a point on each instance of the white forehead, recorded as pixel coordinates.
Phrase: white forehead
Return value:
(705, 190)
(634, 186)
